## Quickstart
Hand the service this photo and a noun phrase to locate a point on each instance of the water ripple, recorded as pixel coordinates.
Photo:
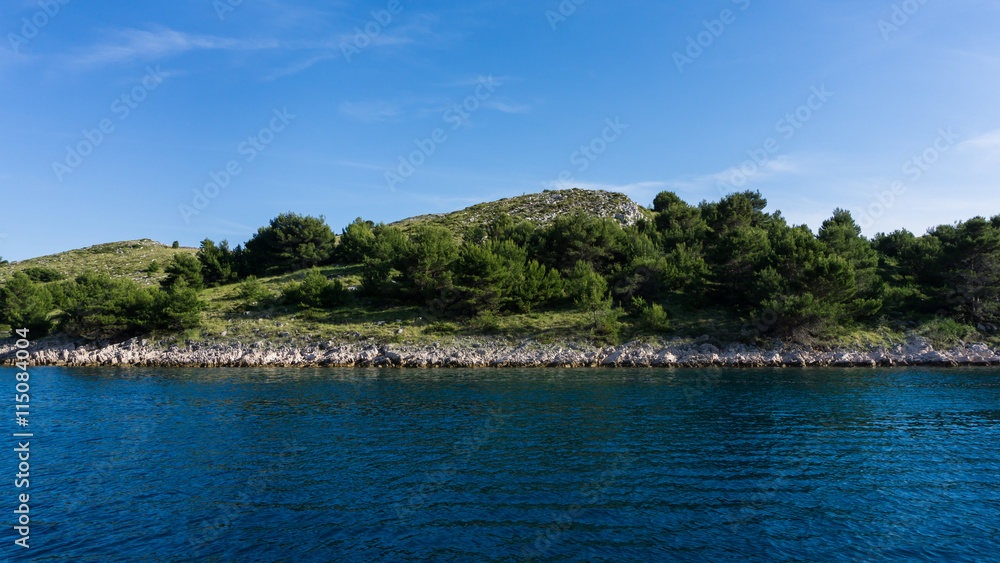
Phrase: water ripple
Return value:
(514, 465)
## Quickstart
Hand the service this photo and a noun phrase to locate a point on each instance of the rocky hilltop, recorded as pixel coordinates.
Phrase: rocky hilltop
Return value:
(485, 353)
(540, 208)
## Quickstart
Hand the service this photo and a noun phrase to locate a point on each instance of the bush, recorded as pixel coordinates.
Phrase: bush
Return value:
(43, 275)
(487, 322)
(252, 292)
(654, 318)
(608, 327)
(290, 242)
(184, 267)
(442, 328)
(154, 268)
(25, 303)
(217, 263)
(175, 245)
(588, 289)
(356, 241)
(175, 308)
(946, 331)
(98, 307)
(316, 291)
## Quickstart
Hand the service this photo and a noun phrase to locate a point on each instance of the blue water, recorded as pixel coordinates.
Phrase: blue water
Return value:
(510, 465)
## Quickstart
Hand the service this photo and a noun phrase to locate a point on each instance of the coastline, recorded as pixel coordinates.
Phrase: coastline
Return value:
(485, 353)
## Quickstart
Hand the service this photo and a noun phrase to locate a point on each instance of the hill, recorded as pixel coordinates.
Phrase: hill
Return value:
(126, 259)
(541, 208)
(130, 259)
(725, 271)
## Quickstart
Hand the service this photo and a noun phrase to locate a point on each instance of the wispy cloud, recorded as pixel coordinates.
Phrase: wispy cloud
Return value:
(738, 178)
(134, 44)
(419, 29)
(372, 112)
(300, 66)
(985, 146)
(362, 165)
(506, 107)
(478, 79)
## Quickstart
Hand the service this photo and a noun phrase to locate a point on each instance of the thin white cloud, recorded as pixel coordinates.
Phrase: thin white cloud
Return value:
(371, 112)
(392, 35)
(301, 66)
(362, 165)
(985, 146)
(506, 107)
(474, 81)
(739, 178)
(132, 44)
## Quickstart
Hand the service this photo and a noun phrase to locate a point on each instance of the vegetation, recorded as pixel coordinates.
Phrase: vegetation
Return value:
(728, 269)
(40, 274)
(127, 260)
(95, 306)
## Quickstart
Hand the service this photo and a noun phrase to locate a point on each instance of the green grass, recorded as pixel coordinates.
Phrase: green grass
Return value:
(127, 259)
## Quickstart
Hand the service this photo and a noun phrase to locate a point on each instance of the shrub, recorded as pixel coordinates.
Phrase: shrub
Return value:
(217, 263)
(176, 244)
(184, 267)
(43, 275)
(654, 318)
(251, 291)
(607, 327)
(587, 289)
(946, 331)
(487, 322)
(98, 307)
(316, 291)
(290, 242)
(442, 328)
(25, 303)
(356, 241)
(175, 308)
(154, 268)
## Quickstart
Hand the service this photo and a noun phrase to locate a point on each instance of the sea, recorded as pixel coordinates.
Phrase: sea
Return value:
(501, 465)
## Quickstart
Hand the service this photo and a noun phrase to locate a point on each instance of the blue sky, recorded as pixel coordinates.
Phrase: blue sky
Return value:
(888, 109)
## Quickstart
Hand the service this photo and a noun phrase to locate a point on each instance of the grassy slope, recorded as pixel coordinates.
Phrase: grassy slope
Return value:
(128, 259)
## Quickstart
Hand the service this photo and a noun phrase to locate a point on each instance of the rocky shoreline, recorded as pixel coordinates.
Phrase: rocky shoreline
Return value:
(469, 353)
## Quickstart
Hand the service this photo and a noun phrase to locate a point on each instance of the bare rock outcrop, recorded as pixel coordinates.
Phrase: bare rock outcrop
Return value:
(487, 353)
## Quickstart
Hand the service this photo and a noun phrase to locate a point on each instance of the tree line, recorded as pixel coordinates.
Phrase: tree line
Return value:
(785, 280)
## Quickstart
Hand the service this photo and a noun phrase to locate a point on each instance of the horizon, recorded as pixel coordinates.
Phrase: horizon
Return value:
(206, 119)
